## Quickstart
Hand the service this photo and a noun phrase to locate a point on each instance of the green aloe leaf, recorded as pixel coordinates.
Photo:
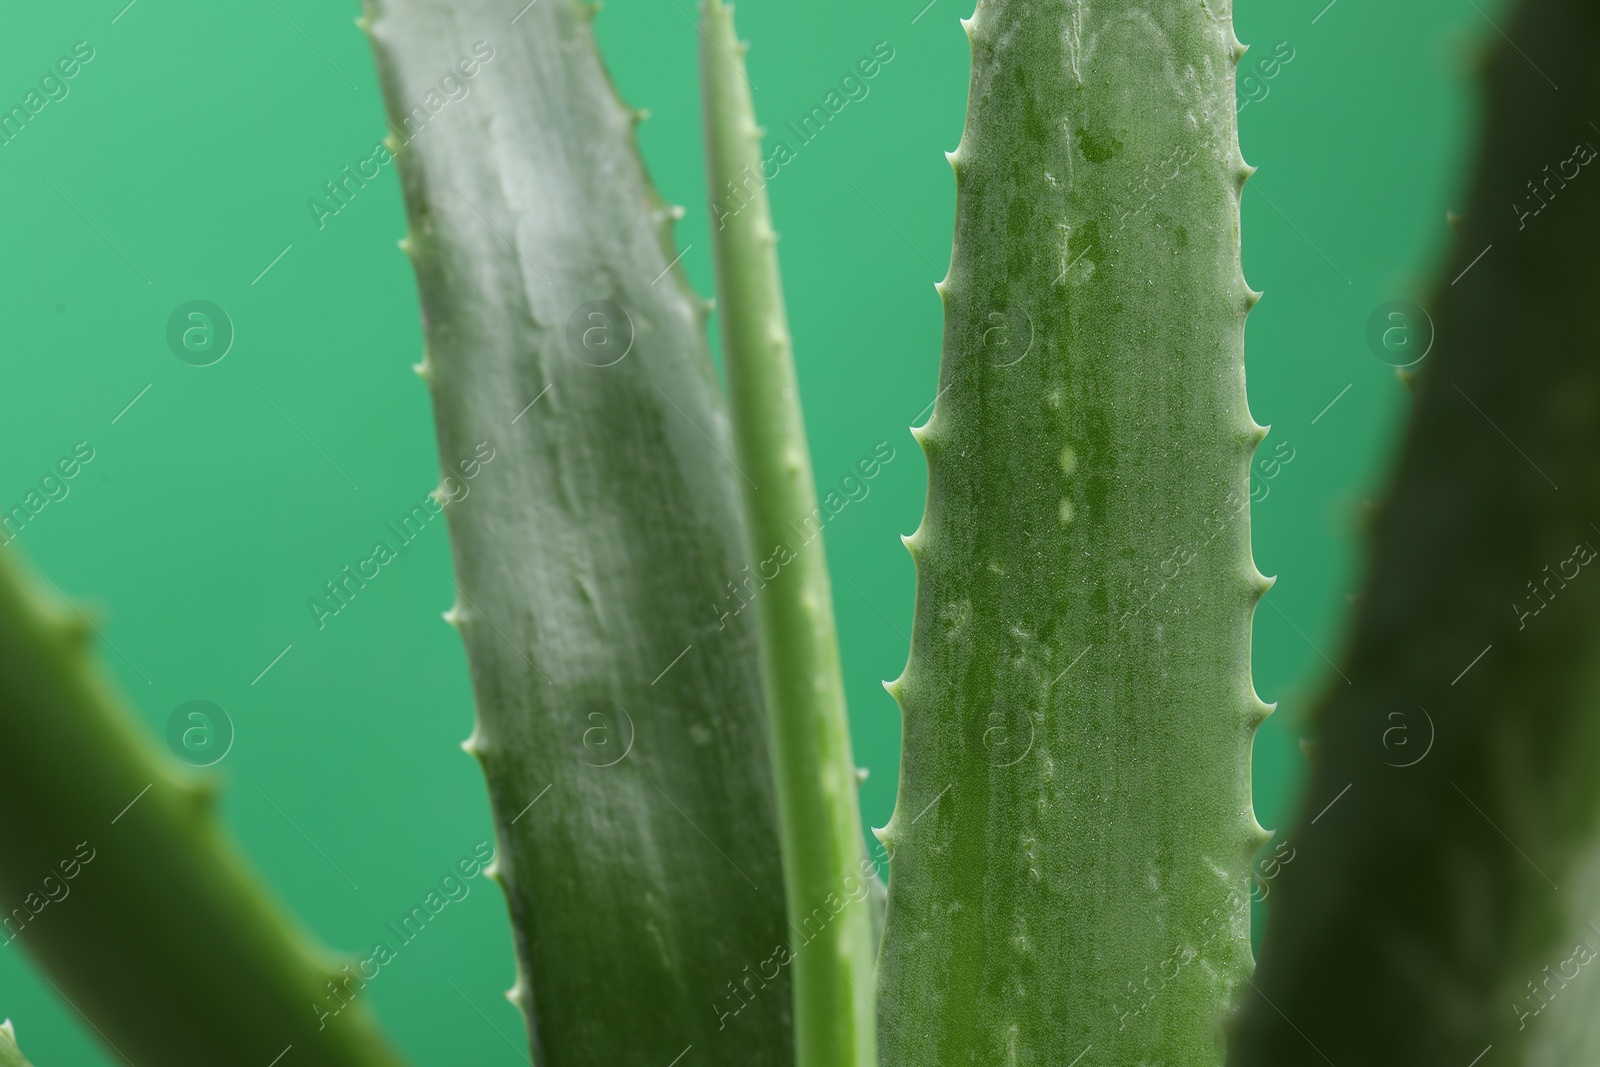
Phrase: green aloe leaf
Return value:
(124, 888)
(620, 720)
(1444, 901)
(1070, 849)
(828, 877)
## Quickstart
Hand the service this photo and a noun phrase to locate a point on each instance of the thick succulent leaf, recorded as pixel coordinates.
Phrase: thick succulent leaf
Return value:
(125, 889)
(1421, 921)
(620, 720)
(1070, 850)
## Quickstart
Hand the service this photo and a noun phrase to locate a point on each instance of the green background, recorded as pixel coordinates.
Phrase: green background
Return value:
(180, 165)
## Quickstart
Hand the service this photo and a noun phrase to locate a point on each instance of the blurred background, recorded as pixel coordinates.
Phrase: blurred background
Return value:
(178, 168)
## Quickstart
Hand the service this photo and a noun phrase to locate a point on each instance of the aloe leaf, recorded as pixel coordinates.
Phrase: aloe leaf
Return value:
(827, 875)
(10, 1054)
(596, 534)
(1456, 778)
(1070, 848)
(121, 884)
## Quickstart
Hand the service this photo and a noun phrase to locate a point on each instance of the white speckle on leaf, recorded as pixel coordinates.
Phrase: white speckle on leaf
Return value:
(954, 614)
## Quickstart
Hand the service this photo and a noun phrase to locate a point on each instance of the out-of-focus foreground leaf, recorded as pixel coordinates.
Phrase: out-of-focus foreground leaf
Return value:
(1445, 908)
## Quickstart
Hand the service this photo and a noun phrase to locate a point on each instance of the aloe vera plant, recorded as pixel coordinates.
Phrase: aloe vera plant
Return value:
(673, 789)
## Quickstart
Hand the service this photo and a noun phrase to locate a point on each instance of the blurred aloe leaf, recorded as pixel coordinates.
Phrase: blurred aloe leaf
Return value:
(1421, 921)
(138, 907)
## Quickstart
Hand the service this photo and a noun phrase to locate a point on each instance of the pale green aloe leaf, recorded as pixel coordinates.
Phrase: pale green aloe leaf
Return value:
(596, 532)
(1070, 849)
(827, 873)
